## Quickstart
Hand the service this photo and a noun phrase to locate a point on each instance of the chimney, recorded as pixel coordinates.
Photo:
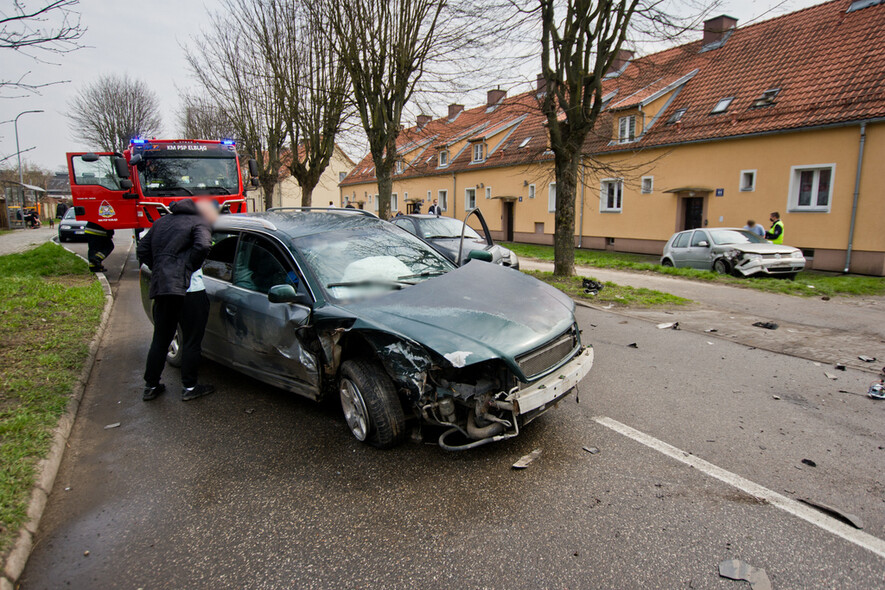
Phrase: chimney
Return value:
(541, 84)
(620, 60)
(454, 109)
(423, 120)
(716, 29)
(493, 97)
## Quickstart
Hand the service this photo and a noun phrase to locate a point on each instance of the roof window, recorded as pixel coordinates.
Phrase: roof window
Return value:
(676, 116)
(768, 98)
(525, 141)
(722, 105)
(860, 4)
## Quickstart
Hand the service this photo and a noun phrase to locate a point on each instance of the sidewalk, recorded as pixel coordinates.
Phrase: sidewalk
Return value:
(19, 240)
(831, 331)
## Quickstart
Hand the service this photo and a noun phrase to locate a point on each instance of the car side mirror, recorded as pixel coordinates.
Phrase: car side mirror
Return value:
(703, 244)
(90, 157)
(79, 211)
(286, 294)
(121, 167)
(136, 160)
(125, 184)
(483, 255)
(253, 167)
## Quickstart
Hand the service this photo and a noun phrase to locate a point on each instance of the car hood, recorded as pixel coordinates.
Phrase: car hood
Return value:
(760, 248)
(477, 312)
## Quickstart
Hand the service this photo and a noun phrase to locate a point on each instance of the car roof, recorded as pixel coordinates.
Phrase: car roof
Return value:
(297, 222)
(426, 216)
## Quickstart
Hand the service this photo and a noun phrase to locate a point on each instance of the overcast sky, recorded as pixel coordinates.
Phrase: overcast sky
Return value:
(144, 40)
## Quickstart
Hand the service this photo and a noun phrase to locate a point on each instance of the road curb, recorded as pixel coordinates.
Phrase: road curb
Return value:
(47, 468)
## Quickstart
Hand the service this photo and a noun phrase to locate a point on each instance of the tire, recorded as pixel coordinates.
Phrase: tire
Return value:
(61, 238)
(173, 357)
(666, 262)
(790, 276)
(370, 404)
(721, 266)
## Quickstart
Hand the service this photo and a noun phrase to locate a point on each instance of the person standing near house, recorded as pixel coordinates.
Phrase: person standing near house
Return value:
(174, 249)
(755, 228)
(101, 243)
(776, 233)
(434, 209)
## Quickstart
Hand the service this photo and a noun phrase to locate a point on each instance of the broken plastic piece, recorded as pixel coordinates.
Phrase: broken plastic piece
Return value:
(735, 569)
(776, 396)
(457, 358)
(672, 325)
(114, 425)
(877, 391)
(632, 345)
(766, 325)
(711, 330)
(849, 519)
(867, 359)
(591, 450)
(831, 376)
(840, 367)
(809, 462)
(524, 461)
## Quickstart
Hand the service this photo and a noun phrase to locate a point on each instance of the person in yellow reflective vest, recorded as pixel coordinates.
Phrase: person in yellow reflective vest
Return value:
(776, 233)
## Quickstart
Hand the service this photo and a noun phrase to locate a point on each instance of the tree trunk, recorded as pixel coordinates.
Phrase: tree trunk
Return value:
(385, 189)
(564, 229)
(307, 197)
(267, 187)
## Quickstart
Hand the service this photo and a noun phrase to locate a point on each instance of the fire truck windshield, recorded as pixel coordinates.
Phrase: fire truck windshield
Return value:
(189, 176)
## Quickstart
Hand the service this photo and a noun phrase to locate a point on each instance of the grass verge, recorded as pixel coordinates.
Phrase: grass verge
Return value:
(617, 295)
(50, 307)
(809, 283)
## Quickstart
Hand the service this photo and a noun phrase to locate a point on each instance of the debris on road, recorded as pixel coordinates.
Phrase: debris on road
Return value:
(809, 462)
(847, 518)
(831, 376)
(867, 359)
(592, 287)
(776, 396)
(766, 325)
(840, 367)
(632, 345)
(735, 569)
(671, 325)
(527, 459)
(250, 410)
(591, 450)
(711, 330)
(114, 425)
(877, 391)
(825, 298)
(86, 553)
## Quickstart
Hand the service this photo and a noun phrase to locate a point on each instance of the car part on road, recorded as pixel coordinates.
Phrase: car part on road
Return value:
(867, 359)
(840, 367)
(527, 459)
(877, 391)
(809, 462)
(670, 325)
(632, 345)
(849, 519)
(831, 376)
(735, 569)
(591, 450)
(766, 325)
(114, 425)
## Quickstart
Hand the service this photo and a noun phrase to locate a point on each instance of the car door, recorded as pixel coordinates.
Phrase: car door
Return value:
(699, 251)
(679, 249)
(218, 270)
(269, 338)
(98, 187)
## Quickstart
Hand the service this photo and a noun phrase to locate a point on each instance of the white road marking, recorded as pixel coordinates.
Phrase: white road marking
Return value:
(831, 525)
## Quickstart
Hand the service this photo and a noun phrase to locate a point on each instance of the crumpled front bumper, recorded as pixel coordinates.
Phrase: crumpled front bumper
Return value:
(542, 394)
(770, 266)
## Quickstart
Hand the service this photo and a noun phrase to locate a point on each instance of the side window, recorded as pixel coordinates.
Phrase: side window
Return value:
(100, 173)
(220, 261)
(259, 266)
(698, 237)
(405, 224)
(681, 240)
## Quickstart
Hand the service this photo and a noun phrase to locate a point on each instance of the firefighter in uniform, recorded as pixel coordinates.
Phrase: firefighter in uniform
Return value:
(776, 233)
(101, 244)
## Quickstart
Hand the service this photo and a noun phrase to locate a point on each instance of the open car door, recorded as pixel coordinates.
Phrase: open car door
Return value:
(100, 185)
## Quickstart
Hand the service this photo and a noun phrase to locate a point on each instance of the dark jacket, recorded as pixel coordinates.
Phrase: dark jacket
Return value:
(174, 248)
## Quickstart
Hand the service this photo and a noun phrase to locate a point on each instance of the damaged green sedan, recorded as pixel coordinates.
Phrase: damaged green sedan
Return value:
(338, 302)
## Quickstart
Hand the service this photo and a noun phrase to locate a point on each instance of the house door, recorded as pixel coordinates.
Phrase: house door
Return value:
(694, 213)
(507, 221)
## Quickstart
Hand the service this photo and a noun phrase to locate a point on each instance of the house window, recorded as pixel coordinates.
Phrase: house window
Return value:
(677, 114)
(768, 98)
(722, 105)
(469, 199)
(444, 158)
(488, 192)
(612, 191)
(531, 191)
(525, 141)
(399, 166)
(551, 197)
(406, 198)
(393, 206)
(748, 181)
(627, 129)
(479, 152)
(428, 197)
(376, 201)
(443, 197)
(648, 185)
(342, 176)
(811, 187)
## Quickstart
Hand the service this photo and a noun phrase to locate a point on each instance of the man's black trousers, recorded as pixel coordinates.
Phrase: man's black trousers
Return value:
(191, 312)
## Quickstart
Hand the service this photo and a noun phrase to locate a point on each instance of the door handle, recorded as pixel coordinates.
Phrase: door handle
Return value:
(230, 309)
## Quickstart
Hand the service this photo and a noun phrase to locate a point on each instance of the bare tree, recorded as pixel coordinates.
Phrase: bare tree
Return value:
(112, 110)
(311, 82)
(34, 28)
(200, 118)
(237, 80)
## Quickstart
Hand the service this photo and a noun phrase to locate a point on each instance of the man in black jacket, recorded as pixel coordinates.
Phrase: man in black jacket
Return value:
(173, 249)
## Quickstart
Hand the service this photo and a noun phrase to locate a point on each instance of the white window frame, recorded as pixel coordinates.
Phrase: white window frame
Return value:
(376, 201)
(429, 199)
(532, 191)
(525, 141)
(551, 198)
(443, 197)
(651, 186)
(488, 192)
(399, 166)
(744, 188)
(793, 197)
(603, 195)
(467, 198)
(624, 135)
(722, 105)
(444, 158)
(393, 202)
(479, 148)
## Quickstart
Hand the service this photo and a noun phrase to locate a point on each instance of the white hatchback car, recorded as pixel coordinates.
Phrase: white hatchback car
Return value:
(731, 250)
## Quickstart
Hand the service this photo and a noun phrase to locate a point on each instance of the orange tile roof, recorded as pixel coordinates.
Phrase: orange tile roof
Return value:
(828, 64)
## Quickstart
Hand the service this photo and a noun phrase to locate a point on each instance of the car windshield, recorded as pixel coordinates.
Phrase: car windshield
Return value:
(734, 236)
(189, 176)
(445, 227)
(368, 261)
(69, 214)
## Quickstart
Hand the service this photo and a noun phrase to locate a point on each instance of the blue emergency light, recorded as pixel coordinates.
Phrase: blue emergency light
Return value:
(227, 141)
(138, 141)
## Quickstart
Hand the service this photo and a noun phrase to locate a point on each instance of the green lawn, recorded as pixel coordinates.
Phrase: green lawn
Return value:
(617, 295)
(50, 306)
(808, 283)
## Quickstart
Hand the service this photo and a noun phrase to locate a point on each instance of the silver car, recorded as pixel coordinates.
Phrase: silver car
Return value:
(731, 251)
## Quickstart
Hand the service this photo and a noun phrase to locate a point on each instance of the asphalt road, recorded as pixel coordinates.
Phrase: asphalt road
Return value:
(251, 487)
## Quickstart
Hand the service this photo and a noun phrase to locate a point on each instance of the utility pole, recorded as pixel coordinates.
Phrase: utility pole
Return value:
(21, 180)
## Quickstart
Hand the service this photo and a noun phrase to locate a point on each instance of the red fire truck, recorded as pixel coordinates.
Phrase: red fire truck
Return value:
(132, 190)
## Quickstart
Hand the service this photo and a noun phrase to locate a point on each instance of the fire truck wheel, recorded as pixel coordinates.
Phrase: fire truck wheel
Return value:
(173, 357)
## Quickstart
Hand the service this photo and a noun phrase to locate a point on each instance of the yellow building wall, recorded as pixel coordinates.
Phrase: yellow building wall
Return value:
(287, 192)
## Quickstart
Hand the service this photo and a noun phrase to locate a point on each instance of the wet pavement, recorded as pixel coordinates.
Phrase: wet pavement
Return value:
(252, 487)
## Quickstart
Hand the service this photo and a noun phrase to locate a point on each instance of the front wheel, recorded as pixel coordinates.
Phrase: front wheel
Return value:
(371, 407)
(721, 266)
(173, 357)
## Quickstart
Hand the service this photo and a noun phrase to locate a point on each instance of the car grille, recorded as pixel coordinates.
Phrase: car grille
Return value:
(548, 355)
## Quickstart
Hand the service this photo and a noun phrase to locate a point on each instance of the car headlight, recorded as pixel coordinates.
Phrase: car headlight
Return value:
(753, 257)
(64, 227)
(732, 254)
(798, 254)
(513, 259)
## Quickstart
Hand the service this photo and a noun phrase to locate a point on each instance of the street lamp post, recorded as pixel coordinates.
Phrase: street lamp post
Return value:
(21, 179)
